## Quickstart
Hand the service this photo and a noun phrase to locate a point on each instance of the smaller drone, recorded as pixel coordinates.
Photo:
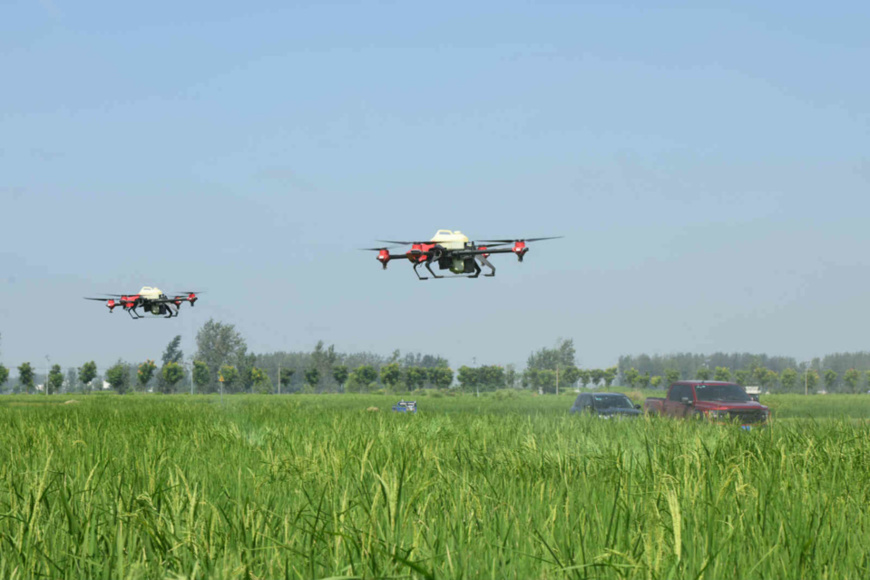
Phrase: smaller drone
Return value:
(151, 300)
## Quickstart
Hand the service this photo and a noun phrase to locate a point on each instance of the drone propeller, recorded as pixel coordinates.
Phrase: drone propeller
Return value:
(398, 243)
(522, 240)
(100, 299)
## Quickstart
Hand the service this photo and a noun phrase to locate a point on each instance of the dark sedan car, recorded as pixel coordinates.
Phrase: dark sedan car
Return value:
(606, 405)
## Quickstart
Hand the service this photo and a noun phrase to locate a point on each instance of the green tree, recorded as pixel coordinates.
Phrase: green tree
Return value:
(585, 377)
(702, 374)
(144, 373)
(55, 379)
(4, 375)
(173, 351)
(219, 344)
(262, 382)
(742, 377)
(562, 356)
(87, 373)
(643, 380)
(547, 380)
(441, 377)
(831, 377)
(230, 376)
(71, 380)
(811, 380)
(171, 374)
(851, 378)
(415, 377)
(118, 376)
(25, 376)
(490, 377)
(722, 374)
(788, 379)
(656, 382)
(312, 378)
(671, 377)
(597, 375)
(468, 378)
(366, 375)
(570, 376)
(631, 376)
(609, 376)
(390, 375)
(286, 377)
(201, 376)
(340, 374)
(510, 376)
(770, 379)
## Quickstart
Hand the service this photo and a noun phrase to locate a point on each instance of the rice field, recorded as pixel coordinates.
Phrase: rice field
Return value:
(259, 487)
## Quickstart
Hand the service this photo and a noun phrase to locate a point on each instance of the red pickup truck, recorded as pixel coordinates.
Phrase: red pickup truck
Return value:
(714, 400)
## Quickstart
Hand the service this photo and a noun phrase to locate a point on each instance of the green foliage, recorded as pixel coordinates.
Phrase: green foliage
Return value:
(144, 373)
(171, 373)
(831, 377)
(671, 376)
(722, 374)
(656, 382)
(570, 376)
(609, 375)
(367, 374)
(55, 379)
(173, 351)
(643, 381)
(229, 376)
(286, 377)
(562, 356)
(597, 375)
(811, 380)
(702, 374)
(138, 487)
(340, 374)
(415, 377)
(25, 376)
(441, 377)
(118, 376)
(312, 377)
(261, 382)
(201, 376)
(219, 344)
(390, 375)
(87, 373)
(743, 377)
(4, 375)
(631, 377)
(850, 379)
(788, 379)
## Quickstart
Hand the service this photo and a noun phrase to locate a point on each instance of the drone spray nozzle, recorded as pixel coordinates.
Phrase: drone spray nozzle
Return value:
(384, 257)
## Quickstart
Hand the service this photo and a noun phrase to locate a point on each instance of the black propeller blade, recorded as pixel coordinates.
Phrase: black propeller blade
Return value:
(522, 240)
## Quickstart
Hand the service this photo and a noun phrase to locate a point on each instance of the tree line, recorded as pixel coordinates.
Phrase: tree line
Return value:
(223, 363)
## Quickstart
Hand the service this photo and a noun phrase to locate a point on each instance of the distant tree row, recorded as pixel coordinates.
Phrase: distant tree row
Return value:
(790, 380)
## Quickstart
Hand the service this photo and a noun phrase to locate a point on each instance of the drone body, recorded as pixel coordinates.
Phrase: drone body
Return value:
(453, 251)
(151, 300)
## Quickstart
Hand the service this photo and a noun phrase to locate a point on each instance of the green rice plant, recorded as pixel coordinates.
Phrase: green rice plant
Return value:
(315, 486)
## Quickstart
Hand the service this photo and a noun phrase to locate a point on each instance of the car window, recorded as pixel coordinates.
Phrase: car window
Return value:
(680, 391)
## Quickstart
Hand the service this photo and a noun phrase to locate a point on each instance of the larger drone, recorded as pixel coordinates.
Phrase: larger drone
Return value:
(453, 251)
(151, 300)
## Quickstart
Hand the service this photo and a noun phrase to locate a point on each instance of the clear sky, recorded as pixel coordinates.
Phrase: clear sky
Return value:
(708, 164)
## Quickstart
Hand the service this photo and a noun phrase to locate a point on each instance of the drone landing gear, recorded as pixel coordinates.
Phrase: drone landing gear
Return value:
(416, 265)
(133, 314)
(429, 267)
(488, 264)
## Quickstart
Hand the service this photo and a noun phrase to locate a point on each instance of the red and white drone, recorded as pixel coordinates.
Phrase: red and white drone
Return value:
(151, 300)
(455, 252)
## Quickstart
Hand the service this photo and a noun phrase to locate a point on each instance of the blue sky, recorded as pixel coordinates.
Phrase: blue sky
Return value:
(708, 165)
